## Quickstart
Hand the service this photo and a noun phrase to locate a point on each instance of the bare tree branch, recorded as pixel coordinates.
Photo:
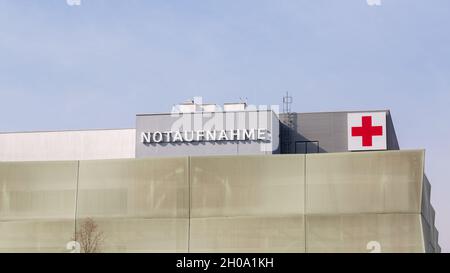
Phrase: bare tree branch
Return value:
(89, 236)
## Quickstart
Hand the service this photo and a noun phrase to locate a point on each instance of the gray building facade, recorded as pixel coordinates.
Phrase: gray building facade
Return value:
(324, 132)
(236, 180)
(237, 122)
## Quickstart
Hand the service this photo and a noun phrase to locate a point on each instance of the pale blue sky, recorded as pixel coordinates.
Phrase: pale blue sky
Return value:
(97, 65)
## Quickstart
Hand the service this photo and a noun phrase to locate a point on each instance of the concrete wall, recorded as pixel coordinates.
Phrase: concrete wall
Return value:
(329, 129)
(67, 145)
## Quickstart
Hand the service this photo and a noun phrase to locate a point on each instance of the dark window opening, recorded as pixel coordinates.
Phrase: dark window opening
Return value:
(306, 147)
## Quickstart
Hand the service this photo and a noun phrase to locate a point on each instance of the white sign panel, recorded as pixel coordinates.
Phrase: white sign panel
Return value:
(366, 131)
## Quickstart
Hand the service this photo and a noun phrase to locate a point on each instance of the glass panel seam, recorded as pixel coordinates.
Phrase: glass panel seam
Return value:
(76, 200)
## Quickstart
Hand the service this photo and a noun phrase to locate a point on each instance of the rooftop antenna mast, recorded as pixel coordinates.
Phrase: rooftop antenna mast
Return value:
(243, 99)
(287, 103)
(288, 122)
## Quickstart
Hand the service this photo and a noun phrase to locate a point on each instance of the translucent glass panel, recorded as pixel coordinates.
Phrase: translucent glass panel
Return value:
(36, 235)
(428, 235)
(38, 190)
(37, 206)
(338, 203)
(134, 188)
(247, 186)
(140, 205)
(247, 204)
(364, 182)
(353, 233)
(143, 235)
(436, 239)
(247, 234)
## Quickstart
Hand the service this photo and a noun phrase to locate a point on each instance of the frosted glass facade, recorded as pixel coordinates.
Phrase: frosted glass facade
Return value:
(375, 182)
(247, 204)
(247, 186)
(140, 205)
(355, 232)
(248, 234)
(338, 202)
(37, 206)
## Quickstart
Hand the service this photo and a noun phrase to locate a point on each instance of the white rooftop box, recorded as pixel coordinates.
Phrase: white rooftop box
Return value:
(188, 107)
(240, 106)
(209, 107)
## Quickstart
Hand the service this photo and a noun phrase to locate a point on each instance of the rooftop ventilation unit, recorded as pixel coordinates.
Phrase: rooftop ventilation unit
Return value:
(188, 107)
(238, 106)
(192, 106)
(210, 107)
(196, 105)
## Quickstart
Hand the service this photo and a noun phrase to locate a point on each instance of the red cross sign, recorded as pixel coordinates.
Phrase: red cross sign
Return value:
(366, 131)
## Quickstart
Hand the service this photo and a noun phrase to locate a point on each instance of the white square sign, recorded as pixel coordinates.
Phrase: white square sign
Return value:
(366, 131)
